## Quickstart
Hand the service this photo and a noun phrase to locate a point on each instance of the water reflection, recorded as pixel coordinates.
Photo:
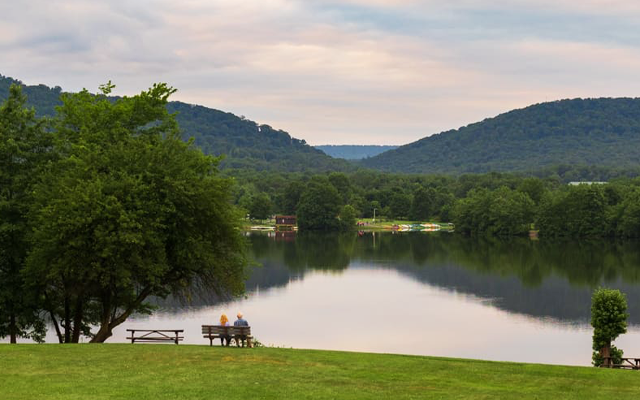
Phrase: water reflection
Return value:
(517, 300)
(543, 279)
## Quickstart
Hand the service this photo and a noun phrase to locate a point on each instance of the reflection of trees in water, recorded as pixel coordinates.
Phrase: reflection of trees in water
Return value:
(543, 279)
(532, 262)
(540, 278)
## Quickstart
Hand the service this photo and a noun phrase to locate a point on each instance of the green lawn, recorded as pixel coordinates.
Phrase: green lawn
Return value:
(121, 371)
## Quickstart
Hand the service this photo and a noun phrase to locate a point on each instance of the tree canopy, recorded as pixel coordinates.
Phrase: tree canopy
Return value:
(319, 207)
(127, 211)
(609, 320)
(24, 148)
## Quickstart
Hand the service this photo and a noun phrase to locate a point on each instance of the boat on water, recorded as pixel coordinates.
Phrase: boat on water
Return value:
(262, 228)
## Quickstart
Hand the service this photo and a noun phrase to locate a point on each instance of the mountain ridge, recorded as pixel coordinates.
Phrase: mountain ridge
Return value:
(354, 151)
(601, 131)
(544, 138)
(246, 144)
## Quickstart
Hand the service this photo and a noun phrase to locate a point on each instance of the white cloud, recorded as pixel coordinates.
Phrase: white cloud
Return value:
(376, 72)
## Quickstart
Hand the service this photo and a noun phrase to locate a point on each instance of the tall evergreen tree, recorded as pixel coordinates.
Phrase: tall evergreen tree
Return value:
(24, 145)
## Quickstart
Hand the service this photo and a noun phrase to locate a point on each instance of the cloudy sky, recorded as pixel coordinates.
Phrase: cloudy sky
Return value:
(338, 72)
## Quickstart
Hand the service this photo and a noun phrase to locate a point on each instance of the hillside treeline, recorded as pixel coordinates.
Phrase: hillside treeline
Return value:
(602, 131)
(244, 143)
(494, 203)
(590, 139)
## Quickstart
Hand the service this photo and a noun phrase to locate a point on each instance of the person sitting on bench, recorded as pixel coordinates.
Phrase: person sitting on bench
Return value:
(224, 321)
(241, 322)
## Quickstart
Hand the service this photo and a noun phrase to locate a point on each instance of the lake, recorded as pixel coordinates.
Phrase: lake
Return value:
(439, 294)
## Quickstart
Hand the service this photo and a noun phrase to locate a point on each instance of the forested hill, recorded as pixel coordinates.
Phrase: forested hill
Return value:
(353, 151)
(246, 144)
(603, 132)
(249, 145)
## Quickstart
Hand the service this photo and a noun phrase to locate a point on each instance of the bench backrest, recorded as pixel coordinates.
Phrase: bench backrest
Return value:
(226, 330)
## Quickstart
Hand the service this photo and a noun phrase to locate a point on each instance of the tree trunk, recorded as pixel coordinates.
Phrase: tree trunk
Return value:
(103, 334)
(67, 320)
(105, 318)
(49, 309)
(13, 329)
(606, 352)
(77, 321)
(106, 329)
(57, 327)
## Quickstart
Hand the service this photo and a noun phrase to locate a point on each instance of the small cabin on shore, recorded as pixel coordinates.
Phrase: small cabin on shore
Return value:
(285, 222)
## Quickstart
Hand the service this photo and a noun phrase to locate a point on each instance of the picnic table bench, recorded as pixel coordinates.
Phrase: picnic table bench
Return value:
(156, 335)
(627, 363)
(234, 332)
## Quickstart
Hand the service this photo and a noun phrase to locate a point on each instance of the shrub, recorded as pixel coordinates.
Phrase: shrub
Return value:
(609, 320)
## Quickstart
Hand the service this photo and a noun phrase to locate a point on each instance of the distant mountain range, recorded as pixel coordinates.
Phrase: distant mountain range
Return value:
(246, 144)
(589, 132)
(588, 138)
(353, 151)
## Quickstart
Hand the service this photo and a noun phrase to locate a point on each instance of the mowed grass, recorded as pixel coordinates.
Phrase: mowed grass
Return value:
(121, 371)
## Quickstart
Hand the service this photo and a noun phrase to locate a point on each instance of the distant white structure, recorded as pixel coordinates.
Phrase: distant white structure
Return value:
(587, 183)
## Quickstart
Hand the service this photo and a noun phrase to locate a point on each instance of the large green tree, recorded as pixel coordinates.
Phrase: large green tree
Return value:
(319, 206)
(628, 215)
(291, 197)
(400, 205)
(609, 320)
(422, 204)
(500, 212)
(577, 211)
(24, 146)
(260, 206)
(129, 211)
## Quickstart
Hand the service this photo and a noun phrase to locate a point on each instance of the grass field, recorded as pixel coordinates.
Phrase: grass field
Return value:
(140, 372)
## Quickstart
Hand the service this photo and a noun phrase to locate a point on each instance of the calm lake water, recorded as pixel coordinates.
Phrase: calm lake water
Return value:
(422, 293)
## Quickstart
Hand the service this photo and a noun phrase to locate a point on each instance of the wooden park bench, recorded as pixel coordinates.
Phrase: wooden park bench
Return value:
(156, 335)
(216, 332)
(627, 363)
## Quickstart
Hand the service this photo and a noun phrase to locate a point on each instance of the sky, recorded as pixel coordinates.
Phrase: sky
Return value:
(333, 72)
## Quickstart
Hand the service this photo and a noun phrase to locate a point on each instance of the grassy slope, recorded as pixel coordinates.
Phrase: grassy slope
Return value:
(142, 372)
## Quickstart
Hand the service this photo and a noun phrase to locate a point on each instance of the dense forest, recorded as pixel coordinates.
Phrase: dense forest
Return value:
(590, 132)
(353, 151)
(275, 173)
(497, 204)
(569, 140)
(245, 144)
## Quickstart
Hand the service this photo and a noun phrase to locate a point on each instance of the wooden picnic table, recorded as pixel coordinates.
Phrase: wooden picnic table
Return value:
(156, 335)
(627, 363)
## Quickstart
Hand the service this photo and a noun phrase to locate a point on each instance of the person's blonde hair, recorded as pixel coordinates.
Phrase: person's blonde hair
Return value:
(223, 319)
(239, 315)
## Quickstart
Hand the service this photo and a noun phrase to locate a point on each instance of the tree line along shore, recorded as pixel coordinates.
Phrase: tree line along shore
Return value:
(494, 204)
